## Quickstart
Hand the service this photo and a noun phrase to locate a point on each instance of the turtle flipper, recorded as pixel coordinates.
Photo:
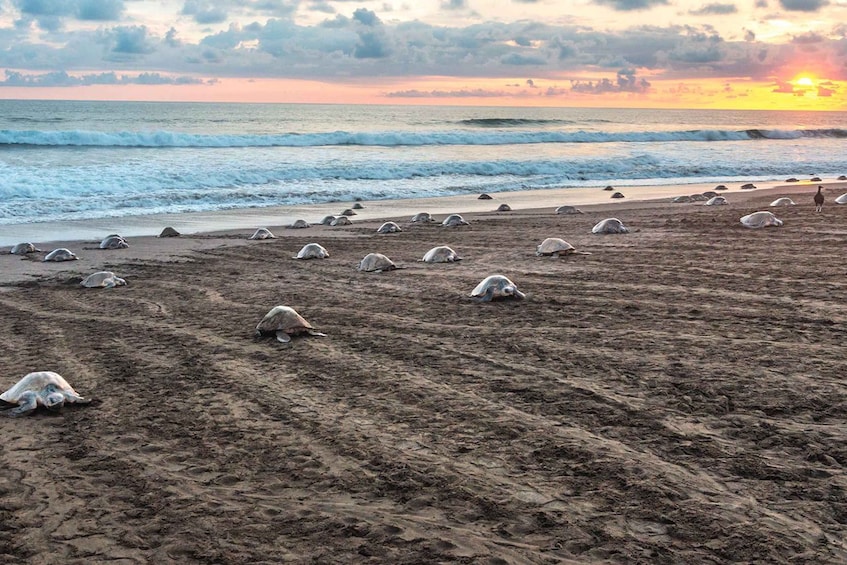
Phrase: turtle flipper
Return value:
(489, 294)
(27, 404)
(317, 334)
(75, 399)
(282, 337)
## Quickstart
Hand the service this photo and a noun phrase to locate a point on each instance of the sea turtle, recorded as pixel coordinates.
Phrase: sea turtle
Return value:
(341, 221)
(815, 179)
(424, 217)
(169, 232)
(312, 251)
(681, 199)
(554, 246)
(784, 201)
(102, 279)
(284, 322)
(568, 210)
(61, 254)
(113, 241)
(760, 220)
(41, 388)
(609, 188)
(484, 196)
(327, 220)
(357, 206)
(504, 208)
(454, 220)
(496, 286)
(376, 262)
(24, 248)
(748, 186)
(262, 233)
(842, 177)
(618, 195)
(841, 199)
(716, 201)
(721, 187)
(300, 224)
(710, 194)
(441, 254)
(348, 212)
(792, 179)
(389, 227)
(699, 197)
(610, 225)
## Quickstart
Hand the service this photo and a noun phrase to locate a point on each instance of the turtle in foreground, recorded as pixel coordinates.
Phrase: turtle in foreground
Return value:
(284, 322)
(504, 208)
(312, 251)
(841, 199)
(102, 279)
(557, 247)
(610, 225)
(24, 249)
(423, 217)
(376, 263)
(389, 227)
(441, 254)
(568, 210)
(113, 241)
(496, 286)
(341, 221)
(784, 201)
(41, 388)
(61, 254)
(169, 232)
(760, 220)
(716, 201)
(618, 195)
(454, 220)
(262, 233)
(300, 224)
(327, 220)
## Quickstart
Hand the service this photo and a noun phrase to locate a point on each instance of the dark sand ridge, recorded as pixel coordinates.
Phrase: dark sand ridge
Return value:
(676, 396)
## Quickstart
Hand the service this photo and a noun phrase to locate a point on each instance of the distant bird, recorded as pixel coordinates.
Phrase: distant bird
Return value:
(819, 199)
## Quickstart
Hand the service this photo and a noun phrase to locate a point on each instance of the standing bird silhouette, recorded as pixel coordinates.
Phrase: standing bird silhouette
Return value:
(819, 199)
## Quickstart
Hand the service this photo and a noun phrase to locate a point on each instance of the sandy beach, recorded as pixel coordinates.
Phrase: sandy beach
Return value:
(676, 395)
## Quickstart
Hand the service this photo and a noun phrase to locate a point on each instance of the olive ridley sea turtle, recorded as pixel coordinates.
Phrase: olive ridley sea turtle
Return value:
(568, 210)
(113, 241)
(504, 208)
(441, 254)
(262, 233)
(423, 217)
(610, 225)
(61, 254)
(760, 220)
(300, 224)
(312, 251)
(389, 227)
(841, 199)
(557, 247)
(169, 232)
(716, 201)
(454, 220)
(496, 286)
(784, 201)
(327, 220)
(24, 248)
(376, 263)
(102, 279)
(284, 322)
(341, 221)
(41, 388)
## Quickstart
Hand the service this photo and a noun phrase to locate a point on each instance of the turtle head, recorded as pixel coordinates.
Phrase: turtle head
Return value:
(54, 401)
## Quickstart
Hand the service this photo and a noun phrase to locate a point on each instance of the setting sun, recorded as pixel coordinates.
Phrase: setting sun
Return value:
(804, 81)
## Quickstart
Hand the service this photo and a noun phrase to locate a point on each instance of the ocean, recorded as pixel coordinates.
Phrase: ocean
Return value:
(72, 160)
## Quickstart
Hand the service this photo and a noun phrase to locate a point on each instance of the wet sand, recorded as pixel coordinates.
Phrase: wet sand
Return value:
(676, 396)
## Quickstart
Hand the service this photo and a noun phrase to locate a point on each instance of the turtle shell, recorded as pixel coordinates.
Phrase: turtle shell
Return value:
(61, 254)
(760, 220)
(23, 249)
(422, 217)
(389, 227)
(312, 251)
(282, 319)
(376, 262)
(454, 220)
(102, 279)
(610, 225)
(262, 233)
(113, 242)
(441, 254)
(554, 246)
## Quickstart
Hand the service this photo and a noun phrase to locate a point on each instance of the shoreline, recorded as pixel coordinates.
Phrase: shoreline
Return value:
(278, 217)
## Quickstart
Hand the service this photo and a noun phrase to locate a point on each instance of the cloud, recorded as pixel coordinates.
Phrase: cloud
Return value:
(366, 17)
(714, 9)
(131, 40)
(475, 93)
(626, 81)
(61, 78)
(204, 12)
(630, 5)
(48, 13)
(803, 5)
(100, 10)
(454, 4)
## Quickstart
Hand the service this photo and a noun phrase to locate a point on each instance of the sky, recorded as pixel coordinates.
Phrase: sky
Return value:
(746, 54)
